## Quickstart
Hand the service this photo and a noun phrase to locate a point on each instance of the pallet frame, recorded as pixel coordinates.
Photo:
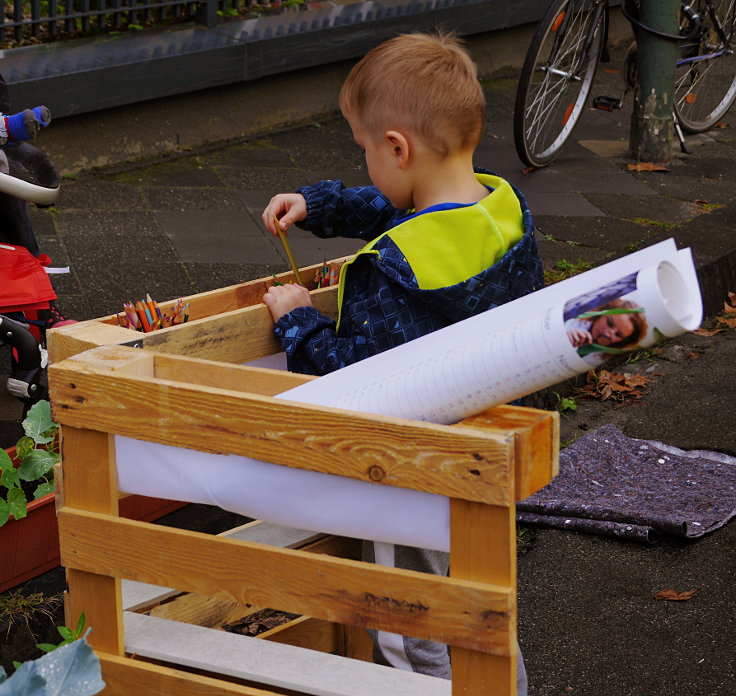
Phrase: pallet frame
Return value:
(483, 464)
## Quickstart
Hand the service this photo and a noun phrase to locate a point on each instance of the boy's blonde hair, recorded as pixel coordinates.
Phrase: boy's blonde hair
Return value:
(424, 82)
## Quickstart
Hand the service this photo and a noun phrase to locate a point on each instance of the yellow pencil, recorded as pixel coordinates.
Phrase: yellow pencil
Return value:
(287, 249)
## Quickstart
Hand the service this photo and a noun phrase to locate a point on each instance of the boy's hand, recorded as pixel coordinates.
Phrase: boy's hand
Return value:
(288, 208)
(282, 299)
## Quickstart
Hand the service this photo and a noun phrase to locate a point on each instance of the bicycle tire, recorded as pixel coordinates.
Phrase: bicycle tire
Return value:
(556, 78)
(705, 72)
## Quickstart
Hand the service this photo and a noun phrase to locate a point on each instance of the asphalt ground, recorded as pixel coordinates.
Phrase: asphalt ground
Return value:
(588, 620)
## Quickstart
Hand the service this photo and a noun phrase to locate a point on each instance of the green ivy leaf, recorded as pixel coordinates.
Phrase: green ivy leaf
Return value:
(17, 503)
(65, 632)
(46, 647)
(43, 489)
(35, 465)
(4, 512)
(10, 479)
(38, 422)
(5, 461)
(24, 447)
(80, 624)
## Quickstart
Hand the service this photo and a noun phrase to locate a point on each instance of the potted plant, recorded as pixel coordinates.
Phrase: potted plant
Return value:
(29, 538)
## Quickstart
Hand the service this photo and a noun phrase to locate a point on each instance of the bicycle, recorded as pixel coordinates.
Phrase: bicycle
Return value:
(572, 39)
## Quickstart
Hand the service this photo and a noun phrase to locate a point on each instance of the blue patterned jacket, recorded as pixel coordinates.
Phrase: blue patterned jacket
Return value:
(382, 301)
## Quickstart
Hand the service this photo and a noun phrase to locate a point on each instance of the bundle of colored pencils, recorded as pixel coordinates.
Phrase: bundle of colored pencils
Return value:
(146, 315)
(326, 276)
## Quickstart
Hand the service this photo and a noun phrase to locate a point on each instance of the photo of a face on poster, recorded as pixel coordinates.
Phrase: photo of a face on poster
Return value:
(607, 321)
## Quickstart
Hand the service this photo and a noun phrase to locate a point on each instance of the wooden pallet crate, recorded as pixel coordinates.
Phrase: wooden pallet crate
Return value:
(487, 463)
(229, 324)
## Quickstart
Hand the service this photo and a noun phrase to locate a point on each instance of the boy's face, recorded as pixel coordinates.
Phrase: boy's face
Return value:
(382, 157)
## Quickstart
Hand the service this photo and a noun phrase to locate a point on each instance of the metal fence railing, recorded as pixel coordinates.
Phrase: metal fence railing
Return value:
(25, 22)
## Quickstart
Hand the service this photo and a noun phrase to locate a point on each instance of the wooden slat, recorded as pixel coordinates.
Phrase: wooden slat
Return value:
(454, 461)
(483, 549)
(283, 666)
(537, 441)
(63, 342)
(209, 373)
(91, 483)
(124, 676)
(458, 612)
(305, 632)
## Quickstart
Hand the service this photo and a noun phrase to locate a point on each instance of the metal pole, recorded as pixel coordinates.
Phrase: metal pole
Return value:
(652, 125)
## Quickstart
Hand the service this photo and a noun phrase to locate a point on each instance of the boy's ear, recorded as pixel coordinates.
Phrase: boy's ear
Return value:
(401, 147)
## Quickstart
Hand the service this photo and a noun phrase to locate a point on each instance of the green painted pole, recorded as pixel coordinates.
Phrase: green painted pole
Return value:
(652, 127)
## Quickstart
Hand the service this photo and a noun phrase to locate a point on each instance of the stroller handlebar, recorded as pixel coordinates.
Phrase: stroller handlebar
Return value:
(17, 336)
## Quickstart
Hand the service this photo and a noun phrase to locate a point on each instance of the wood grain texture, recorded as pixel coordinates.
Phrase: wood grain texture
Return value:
(229, 324)
(455, 611)
(536, 443)
(483, 549)
(124, 676)
(92, 484)
(459, 462)
(209, 373)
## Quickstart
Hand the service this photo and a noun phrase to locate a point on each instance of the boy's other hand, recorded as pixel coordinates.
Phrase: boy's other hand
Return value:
(282, 299)
(288, 208)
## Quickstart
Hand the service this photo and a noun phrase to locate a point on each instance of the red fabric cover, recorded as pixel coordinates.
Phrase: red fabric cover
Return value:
(24, 284)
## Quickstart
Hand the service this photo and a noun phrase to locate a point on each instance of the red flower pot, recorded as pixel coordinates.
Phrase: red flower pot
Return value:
(30, 546)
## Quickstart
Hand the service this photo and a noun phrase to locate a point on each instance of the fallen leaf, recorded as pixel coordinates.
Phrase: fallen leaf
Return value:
(722, 124)
(728, 321)
(706, 333)
(675, 596)
(693, 354)
(700, 201)
(528, 170)
(647, 167)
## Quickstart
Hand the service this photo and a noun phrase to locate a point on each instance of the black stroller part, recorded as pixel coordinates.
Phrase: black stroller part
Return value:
(28, 380)
(27, 162)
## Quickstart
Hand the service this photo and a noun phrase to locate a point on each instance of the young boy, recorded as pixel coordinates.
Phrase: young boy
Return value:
(444, 243)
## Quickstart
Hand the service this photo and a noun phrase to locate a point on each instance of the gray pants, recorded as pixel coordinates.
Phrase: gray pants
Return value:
(413, 654)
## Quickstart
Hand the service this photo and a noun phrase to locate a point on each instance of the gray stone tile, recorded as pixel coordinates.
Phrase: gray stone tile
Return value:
(184, 171)
(205, 236)
(275, 180)
(180, 198)
(562, 204)
(212, 276)
(98, 194)
(256, 153)
(107, 288)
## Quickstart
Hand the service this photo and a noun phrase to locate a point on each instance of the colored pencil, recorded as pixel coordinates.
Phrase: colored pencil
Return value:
(287, 249)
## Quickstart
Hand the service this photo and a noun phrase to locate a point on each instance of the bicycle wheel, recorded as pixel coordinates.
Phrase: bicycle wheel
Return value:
(556, 78)
(705, 73)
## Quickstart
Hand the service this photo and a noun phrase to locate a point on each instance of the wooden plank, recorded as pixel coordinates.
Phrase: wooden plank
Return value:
(537, 440)
(304, 632)
(458, 612)
(63, 342)
(282, 666)
(455, 461)
(139, 596)
(88, 472)
(124, 676)
(483, 549)
(254, 380)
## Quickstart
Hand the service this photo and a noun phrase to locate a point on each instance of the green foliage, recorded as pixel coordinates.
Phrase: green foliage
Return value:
(68, 635)
(36, 458)
(566, 403)
(565, 269)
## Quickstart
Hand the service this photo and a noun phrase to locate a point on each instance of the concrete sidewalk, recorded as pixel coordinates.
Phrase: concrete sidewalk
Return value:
(588, 622)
